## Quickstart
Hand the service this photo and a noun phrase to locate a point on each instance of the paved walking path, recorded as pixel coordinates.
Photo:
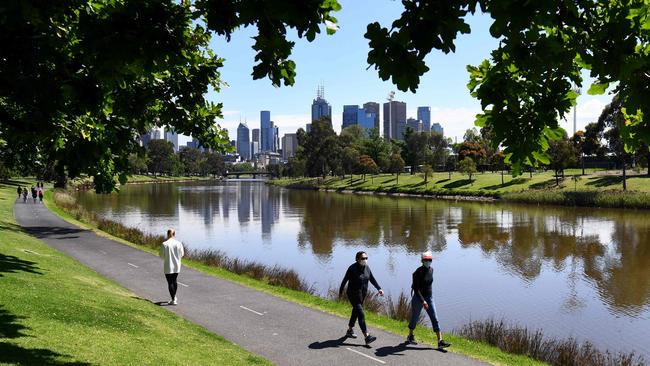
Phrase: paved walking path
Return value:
(284, 332)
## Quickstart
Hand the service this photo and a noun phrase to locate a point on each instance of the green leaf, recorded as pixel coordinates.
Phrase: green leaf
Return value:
(597, 88)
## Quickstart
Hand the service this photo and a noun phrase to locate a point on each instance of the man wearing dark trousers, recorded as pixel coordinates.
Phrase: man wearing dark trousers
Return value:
(357, 277)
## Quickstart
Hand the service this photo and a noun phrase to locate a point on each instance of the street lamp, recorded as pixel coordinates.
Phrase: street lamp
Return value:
(390, 98)
(578, 91)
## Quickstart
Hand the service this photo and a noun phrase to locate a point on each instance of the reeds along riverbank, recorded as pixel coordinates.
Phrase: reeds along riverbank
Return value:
(564, 352)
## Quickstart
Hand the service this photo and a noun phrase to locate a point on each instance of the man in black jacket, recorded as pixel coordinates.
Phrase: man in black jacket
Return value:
(357, 277)
(422, 298)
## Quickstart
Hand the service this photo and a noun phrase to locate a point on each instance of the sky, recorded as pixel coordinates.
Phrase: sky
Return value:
(339, 63)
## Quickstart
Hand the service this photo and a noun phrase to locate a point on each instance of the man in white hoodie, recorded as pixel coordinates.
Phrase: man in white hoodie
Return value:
(172, 251)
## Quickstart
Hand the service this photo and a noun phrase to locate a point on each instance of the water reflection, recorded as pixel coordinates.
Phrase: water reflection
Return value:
(543, 266)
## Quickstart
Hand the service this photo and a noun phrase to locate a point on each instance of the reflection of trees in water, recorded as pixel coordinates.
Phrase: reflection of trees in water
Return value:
(368, 221)
(522, 239)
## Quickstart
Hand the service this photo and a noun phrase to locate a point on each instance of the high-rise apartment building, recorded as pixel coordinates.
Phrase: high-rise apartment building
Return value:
(289, 145)
(366, 119)
(394, 119)
(243, 142)
(372, 107)
(424, 115)
(350, 113)
(319, 107)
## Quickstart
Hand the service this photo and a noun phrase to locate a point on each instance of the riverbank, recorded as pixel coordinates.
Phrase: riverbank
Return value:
(61, 312)
(87, 182)
(461, 345)
(596, 189)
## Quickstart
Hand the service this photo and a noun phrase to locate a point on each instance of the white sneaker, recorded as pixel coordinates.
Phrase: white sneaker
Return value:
(173, 302)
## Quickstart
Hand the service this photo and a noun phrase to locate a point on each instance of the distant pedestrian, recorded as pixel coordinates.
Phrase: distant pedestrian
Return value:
(24, 194)
(34, 194)
(40, 195)
(172, 251)
(423, 298)
(357, 277)
(19, 190)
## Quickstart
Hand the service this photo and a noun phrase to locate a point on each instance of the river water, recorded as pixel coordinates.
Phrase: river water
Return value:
(574, 272)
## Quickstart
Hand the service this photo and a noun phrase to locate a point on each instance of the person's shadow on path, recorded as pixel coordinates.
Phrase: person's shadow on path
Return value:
(334, 343)
(400, 348)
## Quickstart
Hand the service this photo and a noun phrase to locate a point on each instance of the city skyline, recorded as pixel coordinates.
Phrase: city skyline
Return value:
(347, 80)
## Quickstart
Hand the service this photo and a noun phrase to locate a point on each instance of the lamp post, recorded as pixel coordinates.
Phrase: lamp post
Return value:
(390, 98)
(578, 91)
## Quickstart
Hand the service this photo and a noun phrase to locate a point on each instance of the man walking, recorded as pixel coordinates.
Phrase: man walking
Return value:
(172, 251)
(357, 277)
(422, 298)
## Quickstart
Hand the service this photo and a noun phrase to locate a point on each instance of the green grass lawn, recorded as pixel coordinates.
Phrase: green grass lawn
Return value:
(467, 347)
(55, 311)
(596, 188)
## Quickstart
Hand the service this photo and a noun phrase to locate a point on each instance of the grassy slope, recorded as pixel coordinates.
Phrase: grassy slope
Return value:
(463, 346)
(57, 311)
(488, 183)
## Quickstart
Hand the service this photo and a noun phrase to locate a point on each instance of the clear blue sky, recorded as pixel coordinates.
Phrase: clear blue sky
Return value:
(339, 62)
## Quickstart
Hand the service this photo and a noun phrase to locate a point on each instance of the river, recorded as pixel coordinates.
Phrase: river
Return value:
(580, 272)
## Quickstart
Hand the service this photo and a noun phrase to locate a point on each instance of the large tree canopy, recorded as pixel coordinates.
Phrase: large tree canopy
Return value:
(81, 79)
(526, 85)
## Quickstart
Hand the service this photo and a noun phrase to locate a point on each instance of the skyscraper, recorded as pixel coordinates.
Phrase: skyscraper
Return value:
(394, 119)
(415, 124)
(424, 115)
(319, 107)
(172, 136)
(243, 142)
(256, 135)
(366, 119)
(350, 113)
(266, 133)
(289, 145)
(372, 107)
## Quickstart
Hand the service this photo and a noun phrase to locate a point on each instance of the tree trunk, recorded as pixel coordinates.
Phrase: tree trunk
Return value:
(624, 182)
(501, 177)
(557, 178)
(582, 159)
(60, 177)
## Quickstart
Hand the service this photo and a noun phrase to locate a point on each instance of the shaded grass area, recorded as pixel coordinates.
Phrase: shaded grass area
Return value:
(376, 307)
(594, 189)
(560, 352)
(55, 311)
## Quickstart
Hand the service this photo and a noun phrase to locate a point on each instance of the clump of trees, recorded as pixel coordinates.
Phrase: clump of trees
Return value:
(159, 158)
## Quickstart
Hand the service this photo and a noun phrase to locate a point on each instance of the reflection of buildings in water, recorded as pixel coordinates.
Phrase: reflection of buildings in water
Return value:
(270, 210)
(244, 203)
(201, 201)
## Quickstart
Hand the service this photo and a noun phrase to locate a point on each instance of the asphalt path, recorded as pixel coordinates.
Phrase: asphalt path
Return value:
(284, 332)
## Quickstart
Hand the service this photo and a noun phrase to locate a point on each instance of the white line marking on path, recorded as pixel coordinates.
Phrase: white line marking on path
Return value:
(251, 310)
(182, 284)
(132, 265)
(365, 355)
(103, 252)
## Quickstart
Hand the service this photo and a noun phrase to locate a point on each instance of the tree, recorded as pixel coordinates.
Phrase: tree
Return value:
(137, 163)
(161, 157)
(416, 145)
(212, 163)
(451, 164)
(275, 170)
(367, 166)
(321, 149)
(562, 155)
(350, 161)
(192, 160)
(498, 161)
(85, 78)
(297, 166)
(377, 148)
(467, 166)
(351, 136)
(473, 150)
(427, 170)
(81, 80)
(396, 165)
(521, 98)
(612, 118)
(438, 145)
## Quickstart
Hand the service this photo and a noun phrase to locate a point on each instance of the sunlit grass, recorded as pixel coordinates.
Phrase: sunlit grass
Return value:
(57, 311)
